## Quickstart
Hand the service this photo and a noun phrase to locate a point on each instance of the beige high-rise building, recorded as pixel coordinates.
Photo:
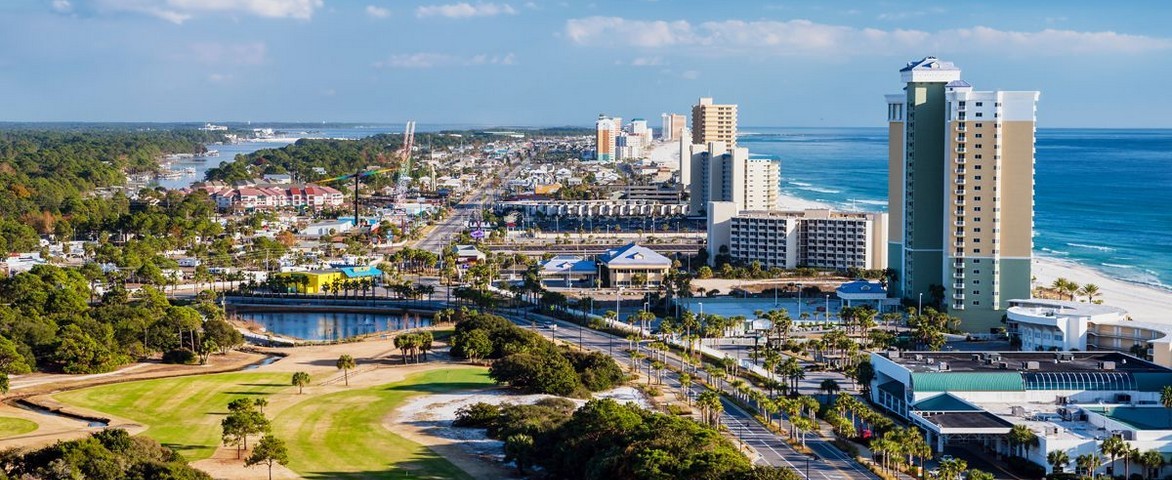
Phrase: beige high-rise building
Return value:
(714, 123)
(961, 192)
(674, 126)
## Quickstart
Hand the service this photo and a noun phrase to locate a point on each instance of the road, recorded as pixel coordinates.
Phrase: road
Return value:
(830, 464)
(439, 236)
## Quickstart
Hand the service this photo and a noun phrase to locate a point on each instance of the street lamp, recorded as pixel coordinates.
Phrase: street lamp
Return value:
(553, 328)
(828, 309)
(920, 308)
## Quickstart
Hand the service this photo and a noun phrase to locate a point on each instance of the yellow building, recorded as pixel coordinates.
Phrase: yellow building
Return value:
(318, 281)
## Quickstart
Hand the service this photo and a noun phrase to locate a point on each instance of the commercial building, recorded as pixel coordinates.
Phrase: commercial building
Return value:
(633, 265)
(674, 127)
(1072, 401)
(606, 129)
(961, 175)
(722, 174)
(819, 238)
(1065, 325)
(569, 271)
(320, 281)
(714, 123)
(272, 196)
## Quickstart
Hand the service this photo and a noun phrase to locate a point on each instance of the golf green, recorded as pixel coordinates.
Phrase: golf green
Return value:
(10, 426)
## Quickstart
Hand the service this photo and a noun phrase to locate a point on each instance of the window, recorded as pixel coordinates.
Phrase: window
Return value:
(977, 260)
(976, 272)
(978, 125)
(977, 146)
(977, 230)
(980, 104)
(978, 187)
(976, 209)
(976, 167)
(976, 199)
(976, 302)
(977, 135)
(976, 250)
(979, 115)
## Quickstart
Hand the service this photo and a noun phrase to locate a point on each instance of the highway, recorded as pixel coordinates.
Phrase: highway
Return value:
(830, 464)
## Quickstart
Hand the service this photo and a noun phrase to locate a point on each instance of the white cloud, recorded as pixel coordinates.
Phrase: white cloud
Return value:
(436, 60)
(61, 6)
(219, 77)
(647, 62)
(230, 53)
(465, 10)
(179, 11)
(377, 12)
(803, 37)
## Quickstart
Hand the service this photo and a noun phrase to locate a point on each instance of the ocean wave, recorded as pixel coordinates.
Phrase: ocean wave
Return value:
(871, 202)
(1092, 247)
(1055, 252)
(819, 189)
(1115, 265)
(801, 184)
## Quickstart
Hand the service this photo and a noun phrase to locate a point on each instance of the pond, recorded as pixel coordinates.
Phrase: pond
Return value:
(330, 325)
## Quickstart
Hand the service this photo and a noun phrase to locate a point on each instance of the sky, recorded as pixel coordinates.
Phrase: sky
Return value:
(785, 63)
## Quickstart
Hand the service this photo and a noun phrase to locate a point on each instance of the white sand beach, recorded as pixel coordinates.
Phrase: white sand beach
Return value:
(1143, 303)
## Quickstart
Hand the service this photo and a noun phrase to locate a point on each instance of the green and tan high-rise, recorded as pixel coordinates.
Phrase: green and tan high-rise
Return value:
(960, 193)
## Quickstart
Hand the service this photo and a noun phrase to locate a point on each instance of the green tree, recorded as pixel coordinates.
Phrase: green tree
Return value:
(269, 451)
(300, 380)
(1088, 463)
(519, 449)
(1021, 436)
(1113, 447)
(243, 420)
(1153, 461)
(476, 345)
(4, 384)
(830, 386)
(1058, 459)
(974, 474)
(345, 363)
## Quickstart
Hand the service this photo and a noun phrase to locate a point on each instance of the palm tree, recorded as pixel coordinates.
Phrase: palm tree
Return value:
(300, 380)
(1113, 447)
(1022, 436)
(952, 468)
(1152, 460)
(1089, 462)
(1089, 290)
(830, 387)
(345, 363)
(1058, 460)
(685, 384)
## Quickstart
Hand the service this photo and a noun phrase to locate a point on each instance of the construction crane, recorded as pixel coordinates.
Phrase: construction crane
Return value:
(405, 158)
(359, 175)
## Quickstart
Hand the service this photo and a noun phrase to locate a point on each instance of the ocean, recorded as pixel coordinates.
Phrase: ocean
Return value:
(1102, 196)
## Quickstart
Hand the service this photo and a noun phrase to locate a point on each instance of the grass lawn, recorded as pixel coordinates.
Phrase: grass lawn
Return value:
(10, 426)
(183, 413)
(340, 435)
(334, 435)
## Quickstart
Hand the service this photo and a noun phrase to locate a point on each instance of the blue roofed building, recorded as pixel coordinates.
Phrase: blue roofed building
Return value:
(633, 265)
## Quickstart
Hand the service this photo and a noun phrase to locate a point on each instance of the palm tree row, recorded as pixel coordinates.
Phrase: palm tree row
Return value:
(414, 344)
(1070, 288)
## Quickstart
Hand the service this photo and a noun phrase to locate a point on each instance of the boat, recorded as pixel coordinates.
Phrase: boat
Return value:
(211, 153)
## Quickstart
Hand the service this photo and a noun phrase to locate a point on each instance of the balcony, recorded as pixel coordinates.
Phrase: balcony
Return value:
(959, 213)
(958, 276)
(959, 181)
(960, 234)
(959, 171)
(958, 243)
(958, 306)
(961, 149)
(958, 296)
(959, 203)
(958, 286)
(958, 264)
(961, 128)
(960, 139)
(959, 160)
(959, 223)
(959, 191)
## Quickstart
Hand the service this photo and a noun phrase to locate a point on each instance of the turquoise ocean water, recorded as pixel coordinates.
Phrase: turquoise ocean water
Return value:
(1102, 196)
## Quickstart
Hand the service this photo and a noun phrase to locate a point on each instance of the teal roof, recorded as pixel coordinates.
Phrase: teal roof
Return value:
(945, 402)
(967, 382)
(358, 272)
(1151, 381)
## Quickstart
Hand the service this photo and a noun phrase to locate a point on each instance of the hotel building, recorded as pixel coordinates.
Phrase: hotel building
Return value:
(1065, 325)
(961, 178)
(818, 238)
(714, 123)
(722, 174)
(674, 126)
(606, 129)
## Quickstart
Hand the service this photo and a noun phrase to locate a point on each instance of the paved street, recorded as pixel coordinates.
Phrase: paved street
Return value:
(829, 464)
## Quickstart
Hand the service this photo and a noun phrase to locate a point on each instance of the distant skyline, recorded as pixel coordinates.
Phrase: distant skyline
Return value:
(802, 64)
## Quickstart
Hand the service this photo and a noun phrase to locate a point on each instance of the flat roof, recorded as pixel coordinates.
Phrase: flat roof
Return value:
(968, 420)
(1047, 361)
(1065, 307)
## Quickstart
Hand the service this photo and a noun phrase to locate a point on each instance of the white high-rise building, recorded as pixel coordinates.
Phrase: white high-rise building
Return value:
(720, 174)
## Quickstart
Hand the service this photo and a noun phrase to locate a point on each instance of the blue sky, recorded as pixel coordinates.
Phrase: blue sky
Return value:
(826, 63)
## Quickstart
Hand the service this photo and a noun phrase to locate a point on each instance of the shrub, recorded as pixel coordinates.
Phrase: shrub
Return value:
(477, 415)
(180, 356)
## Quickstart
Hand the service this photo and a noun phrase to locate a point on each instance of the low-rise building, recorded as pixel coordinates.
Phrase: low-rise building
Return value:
(633, 265)
(468, 254)
(569, 271)
(321, 281)
(818, 238)
(1071, 401)
(1065, 325)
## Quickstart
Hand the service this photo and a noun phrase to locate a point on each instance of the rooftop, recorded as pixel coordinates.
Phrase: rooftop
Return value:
(958, 362)
(1062, 307)
(633, 254)
(968, 420)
